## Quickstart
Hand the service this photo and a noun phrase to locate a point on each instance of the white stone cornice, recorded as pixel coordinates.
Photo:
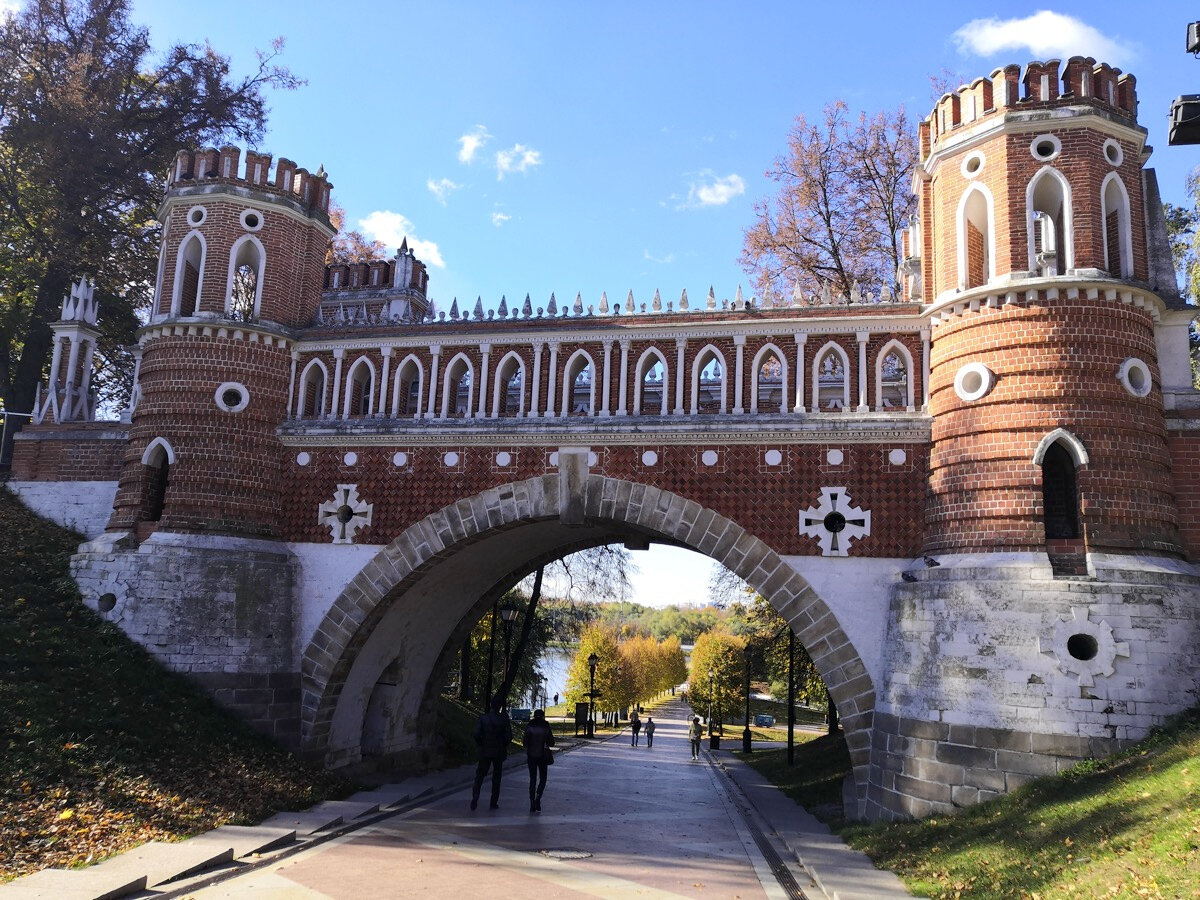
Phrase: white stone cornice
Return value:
(223, 329)
(955, 303)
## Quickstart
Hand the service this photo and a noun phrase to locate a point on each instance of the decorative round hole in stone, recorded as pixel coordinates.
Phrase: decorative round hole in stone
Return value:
(106, 602)
(232, 397)
(345, 513)
(650, 458)
(772, 457)
(503, 458)
(303, 458)
(450, 459)
(973, 381)
(1134, 376)
(1045, 147)
(1083, 646)
(400, 459)
(897, 457)
(835, 457)
(593, 458)
(196, 216)
(350, 458)
(972, 164)
(709, 457)
(554, 458)
(834, 522)
(1113, 152)
(252, 219)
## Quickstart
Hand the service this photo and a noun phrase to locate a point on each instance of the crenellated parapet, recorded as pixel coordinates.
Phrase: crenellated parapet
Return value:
(210, 166)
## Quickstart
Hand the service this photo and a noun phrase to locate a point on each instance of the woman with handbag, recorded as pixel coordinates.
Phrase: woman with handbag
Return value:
(538, 755)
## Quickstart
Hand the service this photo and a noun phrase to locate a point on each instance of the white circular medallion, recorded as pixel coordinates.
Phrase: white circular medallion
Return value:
(350, 458)
(773, 457)
(709, 457)
(450, 459)
(1045, 147)
(973, 381)
(503, 458)
(554, 458)
(897, 457)
(196, 216)
(1113, 152)
(400, 459)
(592, 458)
(835, 457)
(649, 458)
(1135, 377)
(303, 458)
(252, 219)
(232, 397)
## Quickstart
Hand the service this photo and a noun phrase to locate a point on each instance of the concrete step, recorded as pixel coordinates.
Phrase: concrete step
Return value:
(72, 884)
(160, 861)
(385, 795)
(249, 839)
(305, 823)
(349, 810)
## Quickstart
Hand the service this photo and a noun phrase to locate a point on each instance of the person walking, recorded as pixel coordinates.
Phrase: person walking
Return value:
(538, 755)
(493, 734)
(636, 724)
(649, 731)
(695, 733)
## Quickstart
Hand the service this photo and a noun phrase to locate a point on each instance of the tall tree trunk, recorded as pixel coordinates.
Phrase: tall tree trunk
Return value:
(526, 628)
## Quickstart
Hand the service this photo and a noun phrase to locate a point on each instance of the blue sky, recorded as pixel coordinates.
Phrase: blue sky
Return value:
(586, 147)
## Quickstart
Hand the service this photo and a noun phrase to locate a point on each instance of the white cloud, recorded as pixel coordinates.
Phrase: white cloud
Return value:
(1043, 35)
(392, 228)
(469, 143)
(713, 191)
(10, 6)
(441, 188)
(519, 159)
(665, 260)
(499, 218)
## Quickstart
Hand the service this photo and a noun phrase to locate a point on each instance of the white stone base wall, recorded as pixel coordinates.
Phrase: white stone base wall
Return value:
(84, 506)
(986, 688)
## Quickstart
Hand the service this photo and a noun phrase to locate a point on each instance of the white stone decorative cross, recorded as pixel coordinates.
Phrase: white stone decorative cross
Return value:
(345, 513)
(834, 522)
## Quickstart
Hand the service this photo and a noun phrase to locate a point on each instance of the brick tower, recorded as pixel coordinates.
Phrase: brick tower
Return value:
(242, 263)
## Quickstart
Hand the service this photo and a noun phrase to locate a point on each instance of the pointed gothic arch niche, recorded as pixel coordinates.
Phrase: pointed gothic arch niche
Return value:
(359, 401)
(1060, 454)
(1048, 223)
(189, 275)
(831, 379)
(508, 395)
(419, 597)
(158, 458)
(579, 385)
(770, 385)
(650, 384)
(458, 388)
(976, 238)
(894, 378)
(407, 388)
(243, 287)
(709, 376)
(1118, 240)
(313, 381)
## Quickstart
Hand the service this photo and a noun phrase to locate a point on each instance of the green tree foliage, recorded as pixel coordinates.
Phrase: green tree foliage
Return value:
(722, 654)
(1183, 232)
(88, 126)
(526, 676)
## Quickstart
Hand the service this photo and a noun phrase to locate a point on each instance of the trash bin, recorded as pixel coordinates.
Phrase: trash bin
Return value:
(714, 741)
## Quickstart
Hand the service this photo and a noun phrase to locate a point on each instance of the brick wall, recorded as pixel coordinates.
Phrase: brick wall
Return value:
(80, 451)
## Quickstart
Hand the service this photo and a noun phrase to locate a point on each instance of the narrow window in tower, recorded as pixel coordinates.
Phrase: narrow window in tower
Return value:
(769, 389)
(457, 389)
(893, 382)
(581, 392)
(312, 391)
(407, 387)
(187, 279)
(245, 280)
(1049, 223)
(651, 398)
(513, 402)
(831, 379)
(975, 240)
(156, 485)
(360, 390)
(1060, 501)
(709, 388)
(1118, 248)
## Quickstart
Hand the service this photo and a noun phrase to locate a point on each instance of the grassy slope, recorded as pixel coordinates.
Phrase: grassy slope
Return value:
(1127, 826)
(100, 748)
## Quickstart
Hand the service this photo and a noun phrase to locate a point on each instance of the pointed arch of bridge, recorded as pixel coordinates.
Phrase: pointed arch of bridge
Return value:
(332, 714)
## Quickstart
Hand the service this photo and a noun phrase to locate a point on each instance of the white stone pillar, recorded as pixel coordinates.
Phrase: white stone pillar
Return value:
(535, 396)
(486, 350)
(382, 410)
(68, 402)
(925, 370)
(334, 406)
(680, 345)
(85, 380)
(862, 370)
(436, 351)
(801, 340)
(623, 391)
(550, 413)
(607, 392)
(291, 383)
(56, 362)
(739, 341)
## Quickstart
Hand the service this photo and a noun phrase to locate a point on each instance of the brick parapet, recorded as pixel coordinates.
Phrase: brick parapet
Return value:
(79, 451)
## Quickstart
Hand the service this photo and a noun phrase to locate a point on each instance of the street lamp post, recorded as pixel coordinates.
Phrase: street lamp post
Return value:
(714, 740)
(746, 731)
(591, 725)
(507, 614)
(711, 675)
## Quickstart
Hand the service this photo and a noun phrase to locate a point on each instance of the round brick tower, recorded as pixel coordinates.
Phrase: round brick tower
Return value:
(242, 263)
(1037, 263)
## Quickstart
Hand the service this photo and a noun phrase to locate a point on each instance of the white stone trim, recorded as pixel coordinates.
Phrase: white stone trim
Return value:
(398, 379)
(639, 374)
(973, 381)
(960, 219)
(698, 365)
(303, 394)
(1066, 240)
(909, 374)
(1135, 377)
(368, 390)
(180, 260)
(219, 396)
(840, 351)
(148, 453)
(1073, 445)
(755, 366)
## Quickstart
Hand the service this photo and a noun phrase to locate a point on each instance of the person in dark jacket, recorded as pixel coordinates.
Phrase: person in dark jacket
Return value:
(538, 741)
(493, 734)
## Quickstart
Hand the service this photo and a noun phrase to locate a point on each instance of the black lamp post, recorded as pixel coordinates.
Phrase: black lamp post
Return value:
(507, 614)
(746, 731)
(711, 675)
(591, 725)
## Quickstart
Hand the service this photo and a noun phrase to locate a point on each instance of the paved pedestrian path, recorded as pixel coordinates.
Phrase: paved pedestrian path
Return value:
(616, 821)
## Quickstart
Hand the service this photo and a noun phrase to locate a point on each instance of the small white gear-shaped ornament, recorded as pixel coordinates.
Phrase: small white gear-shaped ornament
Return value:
(345, 513)
(834, 522)
(1083, 648)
